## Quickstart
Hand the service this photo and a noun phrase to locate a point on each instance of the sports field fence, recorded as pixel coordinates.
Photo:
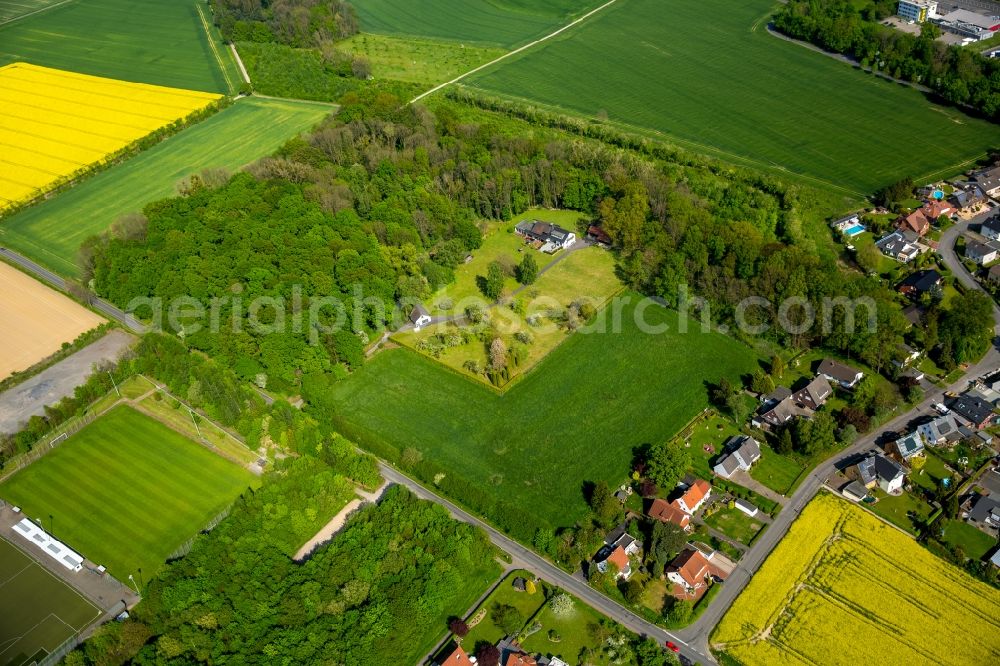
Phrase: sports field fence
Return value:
(60, 652)
(45, 444)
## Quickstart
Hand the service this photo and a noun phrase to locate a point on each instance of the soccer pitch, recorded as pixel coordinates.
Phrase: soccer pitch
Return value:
(126, 491)
(38, 612)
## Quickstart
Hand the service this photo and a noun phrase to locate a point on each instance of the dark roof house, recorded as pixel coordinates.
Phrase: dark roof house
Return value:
(814, 394)
(919, 283)
(973, 409)
(741, 453)
(838, 372)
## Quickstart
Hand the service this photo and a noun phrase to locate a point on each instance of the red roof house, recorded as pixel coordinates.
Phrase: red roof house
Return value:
(916, 222)
(457, 658)
(669, 512)
(520, 659)
(689, 569)
(694, 496)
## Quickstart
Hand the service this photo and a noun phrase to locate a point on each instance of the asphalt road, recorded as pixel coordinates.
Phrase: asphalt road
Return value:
(59, 283)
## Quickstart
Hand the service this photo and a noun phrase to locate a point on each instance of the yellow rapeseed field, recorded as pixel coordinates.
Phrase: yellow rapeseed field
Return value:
(56, 124)
(845, 588)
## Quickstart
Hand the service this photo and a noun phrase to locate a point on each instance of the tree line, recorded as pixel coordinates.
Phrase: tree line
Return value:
(957, 75)
(298, 23)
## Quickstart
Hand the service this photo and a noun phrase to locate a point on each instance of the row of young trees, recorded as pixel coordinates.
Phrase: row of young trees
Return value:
(958, 75)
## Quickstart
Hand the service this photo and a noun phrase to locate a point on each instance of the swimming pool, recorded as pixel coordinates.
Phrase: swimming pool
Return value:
(937, 194)
(855, 230)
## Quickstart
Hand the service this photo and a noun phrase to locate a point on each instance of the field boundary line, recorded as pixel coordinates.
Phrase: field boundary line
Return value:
(512, 53)
(37, 11)
(215, 51)
(239, 62)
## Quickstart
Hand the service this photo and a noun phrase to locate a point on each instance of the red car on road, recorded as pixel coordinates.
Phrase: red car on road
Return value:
(673, 646)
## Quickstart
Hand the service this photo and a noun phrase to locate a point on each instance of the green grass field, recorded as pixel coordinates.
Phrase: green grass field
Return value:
(38, 612)
(126, 491)
(505, 594)
(974, 542)
(417, 60)
(164, 42)
(707, 75)
(493, 22)
(51, 232)
(576, 417)
(14, 9)
(735, 524)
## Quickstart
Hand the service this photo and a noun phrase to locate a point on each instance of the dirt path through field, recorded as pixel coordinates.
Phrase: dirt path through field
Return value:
(337, 522)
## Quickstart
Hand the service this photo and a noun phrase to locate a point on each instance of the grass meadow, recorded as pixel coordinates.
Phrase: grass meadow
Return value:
(491, 22)
(126, 491)
(51, 232)
(417, 60)
(709, 77)
(575, 418)
(11, 10)
(155, 41)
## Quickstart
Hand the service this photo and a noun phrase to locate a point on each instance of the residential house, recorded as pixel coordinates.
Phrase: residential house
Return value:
(909, 446)
(935, 208)
(746, 507)
(669, 512)
(905, 355)
(922, 282)
(814, 394)
(840, 373)
(849, 225)
(689, 570)
(980, 253)
(914, 314)
(995, 559)
(916, 222)
(940, 431)
(549, 237)
(742, 453)
(619, 537)
(781, 406)
(419, 317)
(878, 470)
(520, 659)
(991, 228)
(456, 657)
(976, 411)
(988, 180)
(900, 245)
(551, 661)
(619, 558)
(985, 511)
(694, 496)
(969, 197)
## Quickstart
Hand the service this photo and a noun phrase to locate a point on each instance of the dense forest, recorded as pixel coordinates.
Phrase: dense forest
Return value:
(384, 199)
(380, 593)
(958, 75)
(296, 23)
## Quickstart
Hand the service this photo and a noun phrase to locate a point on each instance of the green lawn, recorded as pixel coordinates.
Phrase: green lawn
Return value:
(521, 458)
(898, 510)
(775, 471)
(493, 22)
(929, 476)
(505, 594)
(417, 60)
(39, 610)
(735, 524)
(126, 491)
(154, 41)
(574, 634)
(707, 75)
(51, 232)
(975, 543)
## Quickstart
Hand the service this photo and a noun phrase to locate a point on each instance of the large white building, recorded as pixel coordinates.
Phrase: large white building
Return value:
(970, 25)
(917, 11)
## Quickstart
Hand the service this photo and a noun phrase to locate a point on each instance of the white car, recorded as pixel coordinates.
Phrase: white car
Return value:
(940, 408)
